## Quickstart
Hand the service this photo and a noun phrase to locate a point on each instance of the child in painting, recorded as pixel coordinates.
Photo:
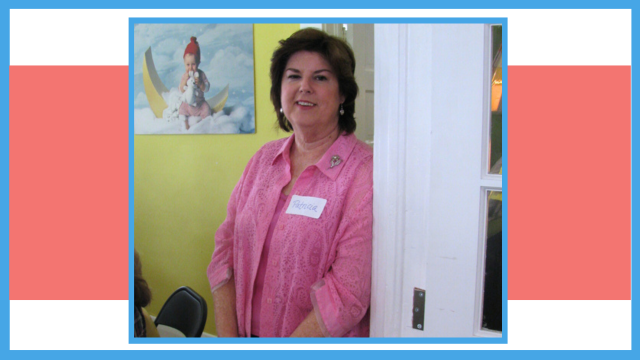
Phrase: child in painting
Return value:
(193, 85)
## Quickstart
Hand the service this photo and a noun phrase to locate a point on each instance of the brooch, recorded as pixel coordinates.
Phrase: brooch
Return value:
(335, 161)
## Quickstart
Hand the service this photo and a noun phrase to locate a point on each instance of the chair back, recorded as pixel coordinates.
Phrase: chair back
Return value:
(184, 310)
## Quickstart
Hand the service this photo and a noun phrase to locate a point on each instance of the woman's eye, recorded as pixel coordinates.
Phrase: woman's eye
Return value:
(321, 78)
(293, 76)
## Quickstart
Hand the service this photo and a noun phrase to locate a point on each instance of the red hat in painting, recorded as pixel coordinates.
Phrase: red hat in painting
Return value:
(193, 48)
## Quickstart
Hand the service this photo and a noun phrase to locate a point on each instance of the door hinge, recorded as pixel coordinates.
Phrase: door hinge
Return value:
(418, 309)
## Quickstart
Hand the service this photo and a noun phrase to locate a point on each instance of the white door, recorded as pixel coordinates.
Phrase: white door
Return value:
(432, 110)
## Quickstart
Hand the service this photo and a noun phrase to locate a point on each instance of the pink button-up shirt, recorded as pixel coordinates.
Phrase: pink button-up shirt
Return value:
(321, 265)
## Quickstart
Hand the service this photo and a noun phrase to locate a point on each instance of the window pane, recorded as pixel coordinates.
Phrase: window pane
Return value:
(495, 147)
(492, 301)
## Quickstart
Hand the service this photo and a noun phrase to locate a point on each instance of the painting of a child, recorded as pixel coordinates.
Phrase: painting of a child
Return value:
(195, 109)
(193, 78)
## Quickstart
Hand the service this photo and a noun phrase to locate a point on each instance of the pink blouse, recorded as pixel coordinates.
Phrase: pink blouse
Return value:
(262, 269)
(321, 265)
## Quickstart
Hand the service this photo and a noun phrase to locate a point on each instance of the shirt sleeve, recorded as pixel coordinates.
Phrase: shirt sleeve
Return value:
(342, 297)
(220, 268)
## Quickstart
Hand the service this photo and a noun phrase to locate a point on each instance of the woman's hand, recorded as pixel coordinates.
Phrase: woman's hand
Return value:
(224, 309)
(309, 327)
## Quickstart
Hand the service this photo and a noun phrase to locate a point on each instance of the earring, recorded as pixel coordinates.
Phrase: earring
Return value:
(341, 110)
(280, 110)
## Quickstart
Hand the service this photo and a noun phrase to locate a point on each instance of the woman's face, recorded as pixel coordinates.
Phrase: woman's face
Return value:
(190, 63)
(310, 94)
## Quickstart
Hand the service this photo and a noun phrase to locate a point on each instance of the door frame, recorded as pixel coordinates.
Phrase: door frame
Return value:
(404, 114)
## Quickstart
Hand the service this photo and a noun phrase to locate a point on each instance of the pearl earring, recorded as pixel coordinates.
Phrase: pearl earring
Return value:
(280, 110)
(341, 110)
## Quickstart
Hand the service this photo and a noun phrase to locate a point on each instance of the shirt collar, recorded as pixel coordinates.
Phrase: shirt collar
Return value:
(284, 150)
(340, 150)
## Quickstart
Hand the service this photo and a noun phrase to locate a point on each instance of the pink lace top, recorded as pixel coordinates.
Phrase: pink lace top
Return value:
(262, 270)
(321, 265)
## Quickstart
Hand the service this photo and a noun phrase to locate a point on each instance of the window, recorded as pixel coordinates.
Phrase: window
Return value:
(489, 322)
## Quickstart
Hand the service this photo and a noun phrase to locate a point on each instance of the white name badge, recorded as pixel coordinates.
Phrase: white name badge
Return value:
(306, 206)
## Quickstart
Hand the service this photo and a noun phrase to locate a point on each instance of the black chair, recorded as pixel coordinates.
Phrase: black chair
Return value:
(184, 310)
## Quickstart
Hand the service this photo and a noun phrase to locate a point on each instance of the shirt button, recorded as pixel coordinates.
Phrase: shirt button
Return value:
(269, 301)
(274, 263)
(281, 226)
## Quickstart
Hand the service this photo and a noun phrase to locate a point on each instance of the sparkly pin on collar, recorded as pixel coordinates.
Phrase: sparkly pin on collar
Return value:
(335, 161)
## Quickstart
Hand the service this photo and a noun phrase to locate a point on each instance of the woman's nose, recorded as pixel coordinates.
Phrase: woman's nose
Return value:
(305, 85)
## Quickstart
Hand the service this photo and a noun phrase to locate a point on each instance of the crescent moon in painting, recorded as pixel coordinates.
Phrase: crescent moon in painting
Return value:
(154, 88)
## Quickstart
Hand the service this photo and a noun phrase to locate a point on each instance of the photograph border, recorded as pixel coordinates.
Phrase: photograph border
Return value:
(331, 4)
(373, 340)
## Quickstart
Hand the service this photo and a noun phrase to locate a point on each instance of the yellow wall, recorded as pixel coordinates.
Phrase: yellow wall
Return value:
(183, 182)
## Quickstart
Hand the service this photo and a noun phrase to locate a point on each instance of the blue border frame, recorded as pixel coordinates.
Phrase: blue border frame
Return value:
(133, 340)
(252, 4)
(330, 4)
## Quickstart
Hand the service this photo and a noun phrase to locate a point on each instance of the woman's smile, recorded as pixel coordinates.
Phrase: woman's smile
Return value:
(305, 104)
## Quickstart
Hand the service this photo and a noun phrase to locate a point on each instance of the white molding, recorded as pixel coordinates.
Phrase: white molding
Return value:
(417, 175)
(401, 202)
(388, 175)
(486, 121)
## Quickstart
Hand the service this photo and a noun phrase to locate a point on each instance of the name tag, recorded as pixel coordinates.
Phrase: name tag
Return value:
(306, 206)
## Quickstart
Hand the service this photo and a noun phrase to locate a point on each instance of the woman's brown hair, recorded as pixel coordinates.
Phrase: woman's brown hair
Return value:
(336, 52)
(142, 293)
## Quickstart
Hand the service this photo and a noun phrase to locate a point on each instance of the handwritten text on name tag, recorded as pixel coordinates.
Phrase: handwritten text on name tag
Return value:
(306, 206)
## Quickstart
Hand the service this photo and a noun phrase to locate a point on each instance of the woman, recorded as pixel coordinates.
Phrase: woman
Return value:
(293, 257)
(143, 325)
